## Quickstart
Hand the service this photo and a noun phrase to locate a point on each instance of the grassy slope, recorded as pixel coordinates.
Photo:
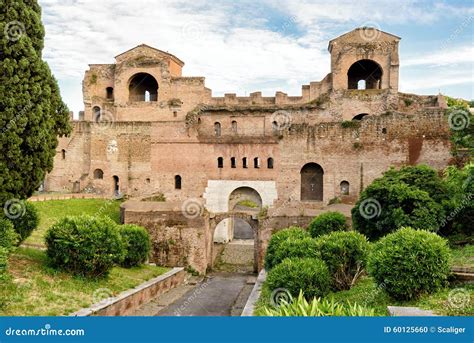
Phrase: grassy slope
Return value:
(463, 257)
(43, 291)
(52, 210)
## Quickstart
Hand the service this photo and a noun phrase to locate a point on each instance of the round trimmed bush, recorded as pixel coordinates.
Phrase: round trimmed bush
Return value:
(301, 247)
(137, 244)
(27, 222)
(326, 223)
(345, 254)
(84, 245)
(8, 235)
(410, 262)
(387, 205)
(277, 238)
(309, 275)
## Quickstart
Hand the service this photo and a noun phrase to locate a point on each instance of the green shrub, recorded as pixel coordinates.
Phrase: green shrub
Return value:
(301, 247)
(410, 262)
(27, 222)
(300, 307)
(3, 263)
(326, 223)
(345, 254)
(277, 238)
(385, 206)
(309, 275)
(137, 244)
(8, 235)
(84, 245)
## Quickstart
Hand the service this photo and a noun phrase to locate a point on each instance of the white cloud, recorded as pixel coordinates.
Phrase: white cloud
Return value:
(455, 55)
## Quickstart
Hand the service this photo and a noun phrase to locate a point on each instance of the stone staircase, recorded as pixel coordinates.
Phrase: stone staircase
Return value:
(237, 256)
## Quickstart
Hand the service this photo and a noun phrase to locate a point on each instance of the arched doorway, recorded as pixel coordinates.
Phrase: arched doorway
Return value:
(364, 70)
(312, 182)
(143, 87)
(116, 185)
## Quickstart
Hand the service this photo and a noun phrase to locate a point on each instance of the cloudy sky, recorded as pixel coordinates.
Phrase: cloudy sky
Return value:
(243, 46)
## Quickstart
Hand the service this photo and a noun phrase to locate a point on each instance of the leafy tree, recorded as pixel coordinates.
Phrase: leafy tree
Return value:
(389, 203)
(32, 114)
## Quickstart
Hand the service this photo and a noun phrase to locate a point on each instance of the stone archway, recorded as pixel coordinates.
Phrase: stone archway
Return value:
(215, 231)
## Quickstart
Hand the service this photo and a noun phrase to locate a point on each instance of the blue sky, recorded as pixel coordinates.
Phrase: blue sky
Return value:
(270, 45)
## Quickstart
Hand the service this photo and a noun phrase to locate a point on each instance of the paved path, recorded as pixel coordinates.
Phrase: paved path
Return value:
(220, 294)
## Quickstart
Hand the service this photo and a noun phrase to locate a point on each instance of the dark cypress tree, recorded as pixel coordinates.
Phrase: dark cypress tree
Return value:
(32, 113)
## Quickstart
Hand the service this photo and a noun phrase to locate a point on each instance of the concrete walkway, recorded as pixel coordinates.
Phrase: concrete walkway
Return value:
(219, 294)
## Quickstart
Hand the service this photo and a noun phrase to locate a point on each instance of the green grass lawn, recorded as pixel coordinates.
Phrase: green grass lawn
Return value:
(39, 290)
(52, 210)
(367, 294)
(463, 257)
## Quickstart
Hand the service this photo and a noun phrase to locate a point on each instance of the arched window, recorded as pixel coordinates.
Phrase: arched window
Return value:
(361, 84)
(270, 163)
(360, 116)
(384, 130)
(116, 185)
(199, 120)
(312, 182)
(217, 129)
(220, 162)
(233, 163)
(63, 154)
(256, 162)
(367, 71)
(344, 188)
(143, 87)
(98, 174)
(234, 126)
(97, 113)
(109, 93)
(177, 182)
(244, 162)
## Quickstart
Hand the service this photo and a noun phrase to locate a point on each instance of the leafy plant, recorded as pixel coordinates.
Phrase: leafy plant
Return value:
(26, 223)
(84, 245)
(345, 254)
(408, 263)
(277, 238)
(326, 223)
(300, 247)
(137, 244)
(316, 307)
(309, 275)
(8, 236)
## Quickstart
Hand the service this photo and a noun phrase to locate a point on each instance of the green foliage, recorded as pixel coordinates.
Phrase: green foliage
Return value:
(3, 263)
(460, 213)
(32, 114)
(84, 245)
(277, 238)
(352, 124)
(300, 247)
(8, 235)
(309, 275)
(27, 222)
(6, 284)
(345, 254)
(326, 223)
(400, 198)
(137, 245)
(409, 262)
(461, 122)
(300, 307)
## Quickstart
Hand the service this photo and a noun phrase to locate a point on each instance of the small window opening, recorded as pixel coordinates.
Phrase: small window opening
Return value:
(233, 163)
(270, 163)
(220, 162)
(177, 182)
